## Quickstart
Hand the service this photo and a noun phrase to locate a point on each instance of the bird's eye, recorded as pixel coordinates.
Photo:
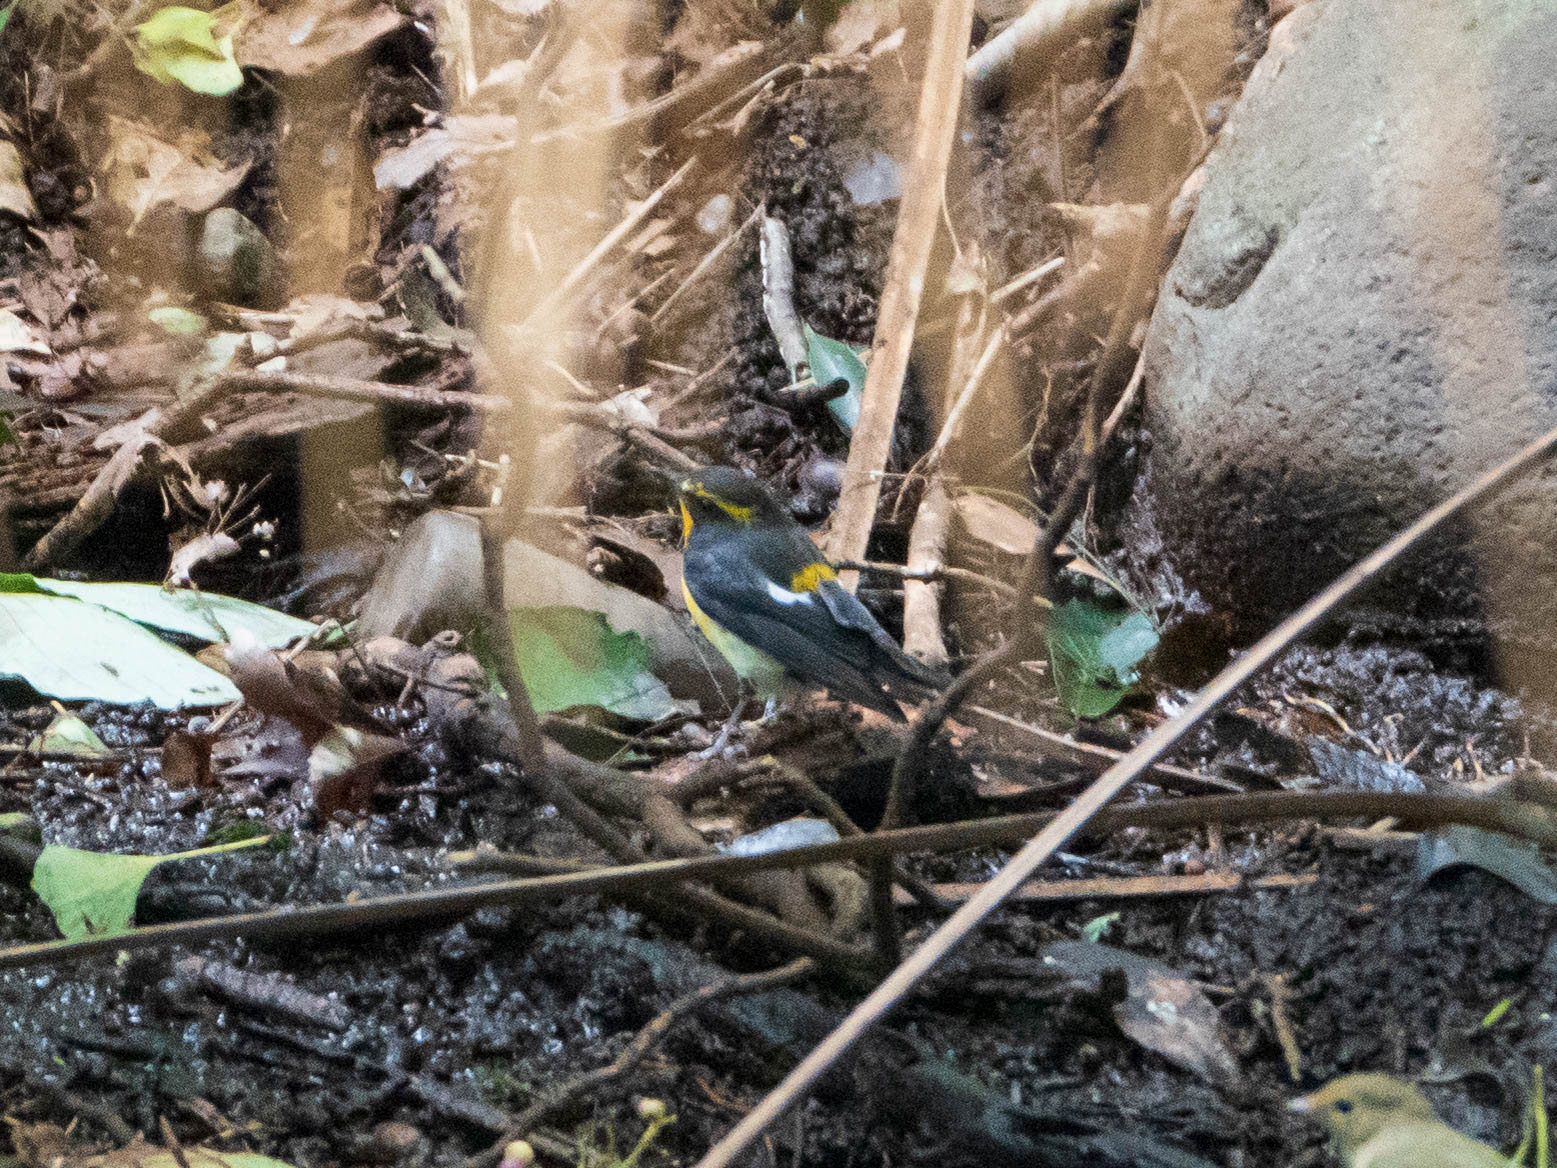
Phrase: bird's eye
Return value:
(1343, 1105)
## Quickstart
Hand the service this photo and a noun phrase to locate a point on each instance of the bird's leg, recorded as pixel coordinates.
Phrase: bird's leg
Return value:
(731, 724)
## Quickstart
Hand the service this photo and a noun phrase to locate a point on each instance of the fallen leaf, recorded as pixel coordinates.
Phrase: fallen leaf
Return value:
(76, 652)
(68, 734)
(15, 196)
(305, 36)
(312, 702)
(186, 759)
(344, 768)
(93, 893)
(1162, 1010)
(145, 170)
(17, 336)
(993, 522)
(861, 23)
(190, 47)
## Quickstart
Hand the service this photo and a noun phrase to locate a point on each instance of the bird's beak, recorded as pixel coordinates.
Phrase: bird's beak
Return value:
(1300, 1105)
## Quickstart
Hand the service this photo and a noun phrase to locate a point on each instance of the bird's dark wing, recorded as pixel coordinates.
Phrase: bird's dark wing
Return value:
(849, 612)
(796, 629)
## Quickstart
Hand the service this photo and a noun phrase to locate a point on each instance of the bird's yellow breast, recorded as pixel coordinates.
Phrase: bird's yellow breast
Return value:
(749, 662)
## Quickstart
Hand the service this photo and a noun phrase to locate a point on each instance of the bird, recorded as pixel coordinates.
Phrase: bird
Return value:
(1380, 1122)
(759, 589)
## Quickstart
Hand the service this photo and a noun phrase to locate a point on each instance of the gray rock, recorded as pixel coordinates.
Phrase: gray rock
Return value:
(1360, 320)
(235, 262)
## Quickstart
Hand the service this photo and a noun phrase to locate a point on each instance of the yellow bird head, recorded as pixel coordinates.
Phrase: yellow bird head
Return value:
(1357, 1107)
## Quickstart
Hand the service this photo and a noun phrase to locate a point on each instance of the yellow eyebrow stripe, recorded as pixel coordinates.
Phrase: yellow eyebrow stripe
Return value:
(739, 514)
(810, 578)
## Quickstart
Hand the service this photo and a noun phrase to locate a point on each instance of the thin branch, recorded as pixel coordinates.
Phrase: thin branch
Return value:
(924, 188)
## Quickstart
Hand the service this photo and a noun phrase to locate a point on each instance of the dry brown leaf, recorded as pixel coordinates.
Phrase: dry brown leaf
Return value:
(990, 521)
(994, 523)
(344, 769)
(209, 545)
(301, 38)
(17, 336)
(14, 194)
(144, 170)
(312, 702)
(186, 759)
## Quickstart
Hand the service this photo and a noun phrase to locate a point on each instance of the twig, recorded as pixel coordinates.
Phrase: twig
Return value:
(723, 70)
(1026, 279)
(1126, 400)
(1098, 759)
(924, 188)
(1125, 887)
(359, 389)
(926, 554)
(699, 380)
(630, 223)
(1090, 803)
(959, 408)
(778, 296)
(703, 267)
(1044, 23)
(94, 507)
(643, 1044)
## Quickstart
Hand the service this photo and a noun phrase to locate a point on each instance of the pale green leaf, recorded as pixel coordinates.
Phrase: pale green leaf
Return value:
(832, 361)
(205, 616)
(68, 734)
(75, 652)
(93, 893)
(178, 322)
(1094, 653)
(190, 47)
(1092, 932)
(571, 657)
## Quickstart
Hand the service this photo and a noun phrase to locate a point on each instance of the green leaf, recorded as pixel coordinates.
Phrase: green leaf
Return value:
(10, 10)
(1094, 654)
(205, 616)
(191, 47)
(832, 361)
(1092, 932)
(73, 651)
(571, 657)
(68, 734)
(93, 893)
(178, 322)
(1123, 649)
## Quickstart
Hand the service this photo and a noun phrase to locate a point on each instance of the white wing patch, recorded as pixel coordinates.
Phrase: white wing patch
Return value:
(787, 598)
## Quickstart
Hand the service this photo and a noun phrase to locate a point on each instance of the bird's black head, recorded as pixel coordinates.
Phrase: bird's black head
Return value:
(722, 496)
